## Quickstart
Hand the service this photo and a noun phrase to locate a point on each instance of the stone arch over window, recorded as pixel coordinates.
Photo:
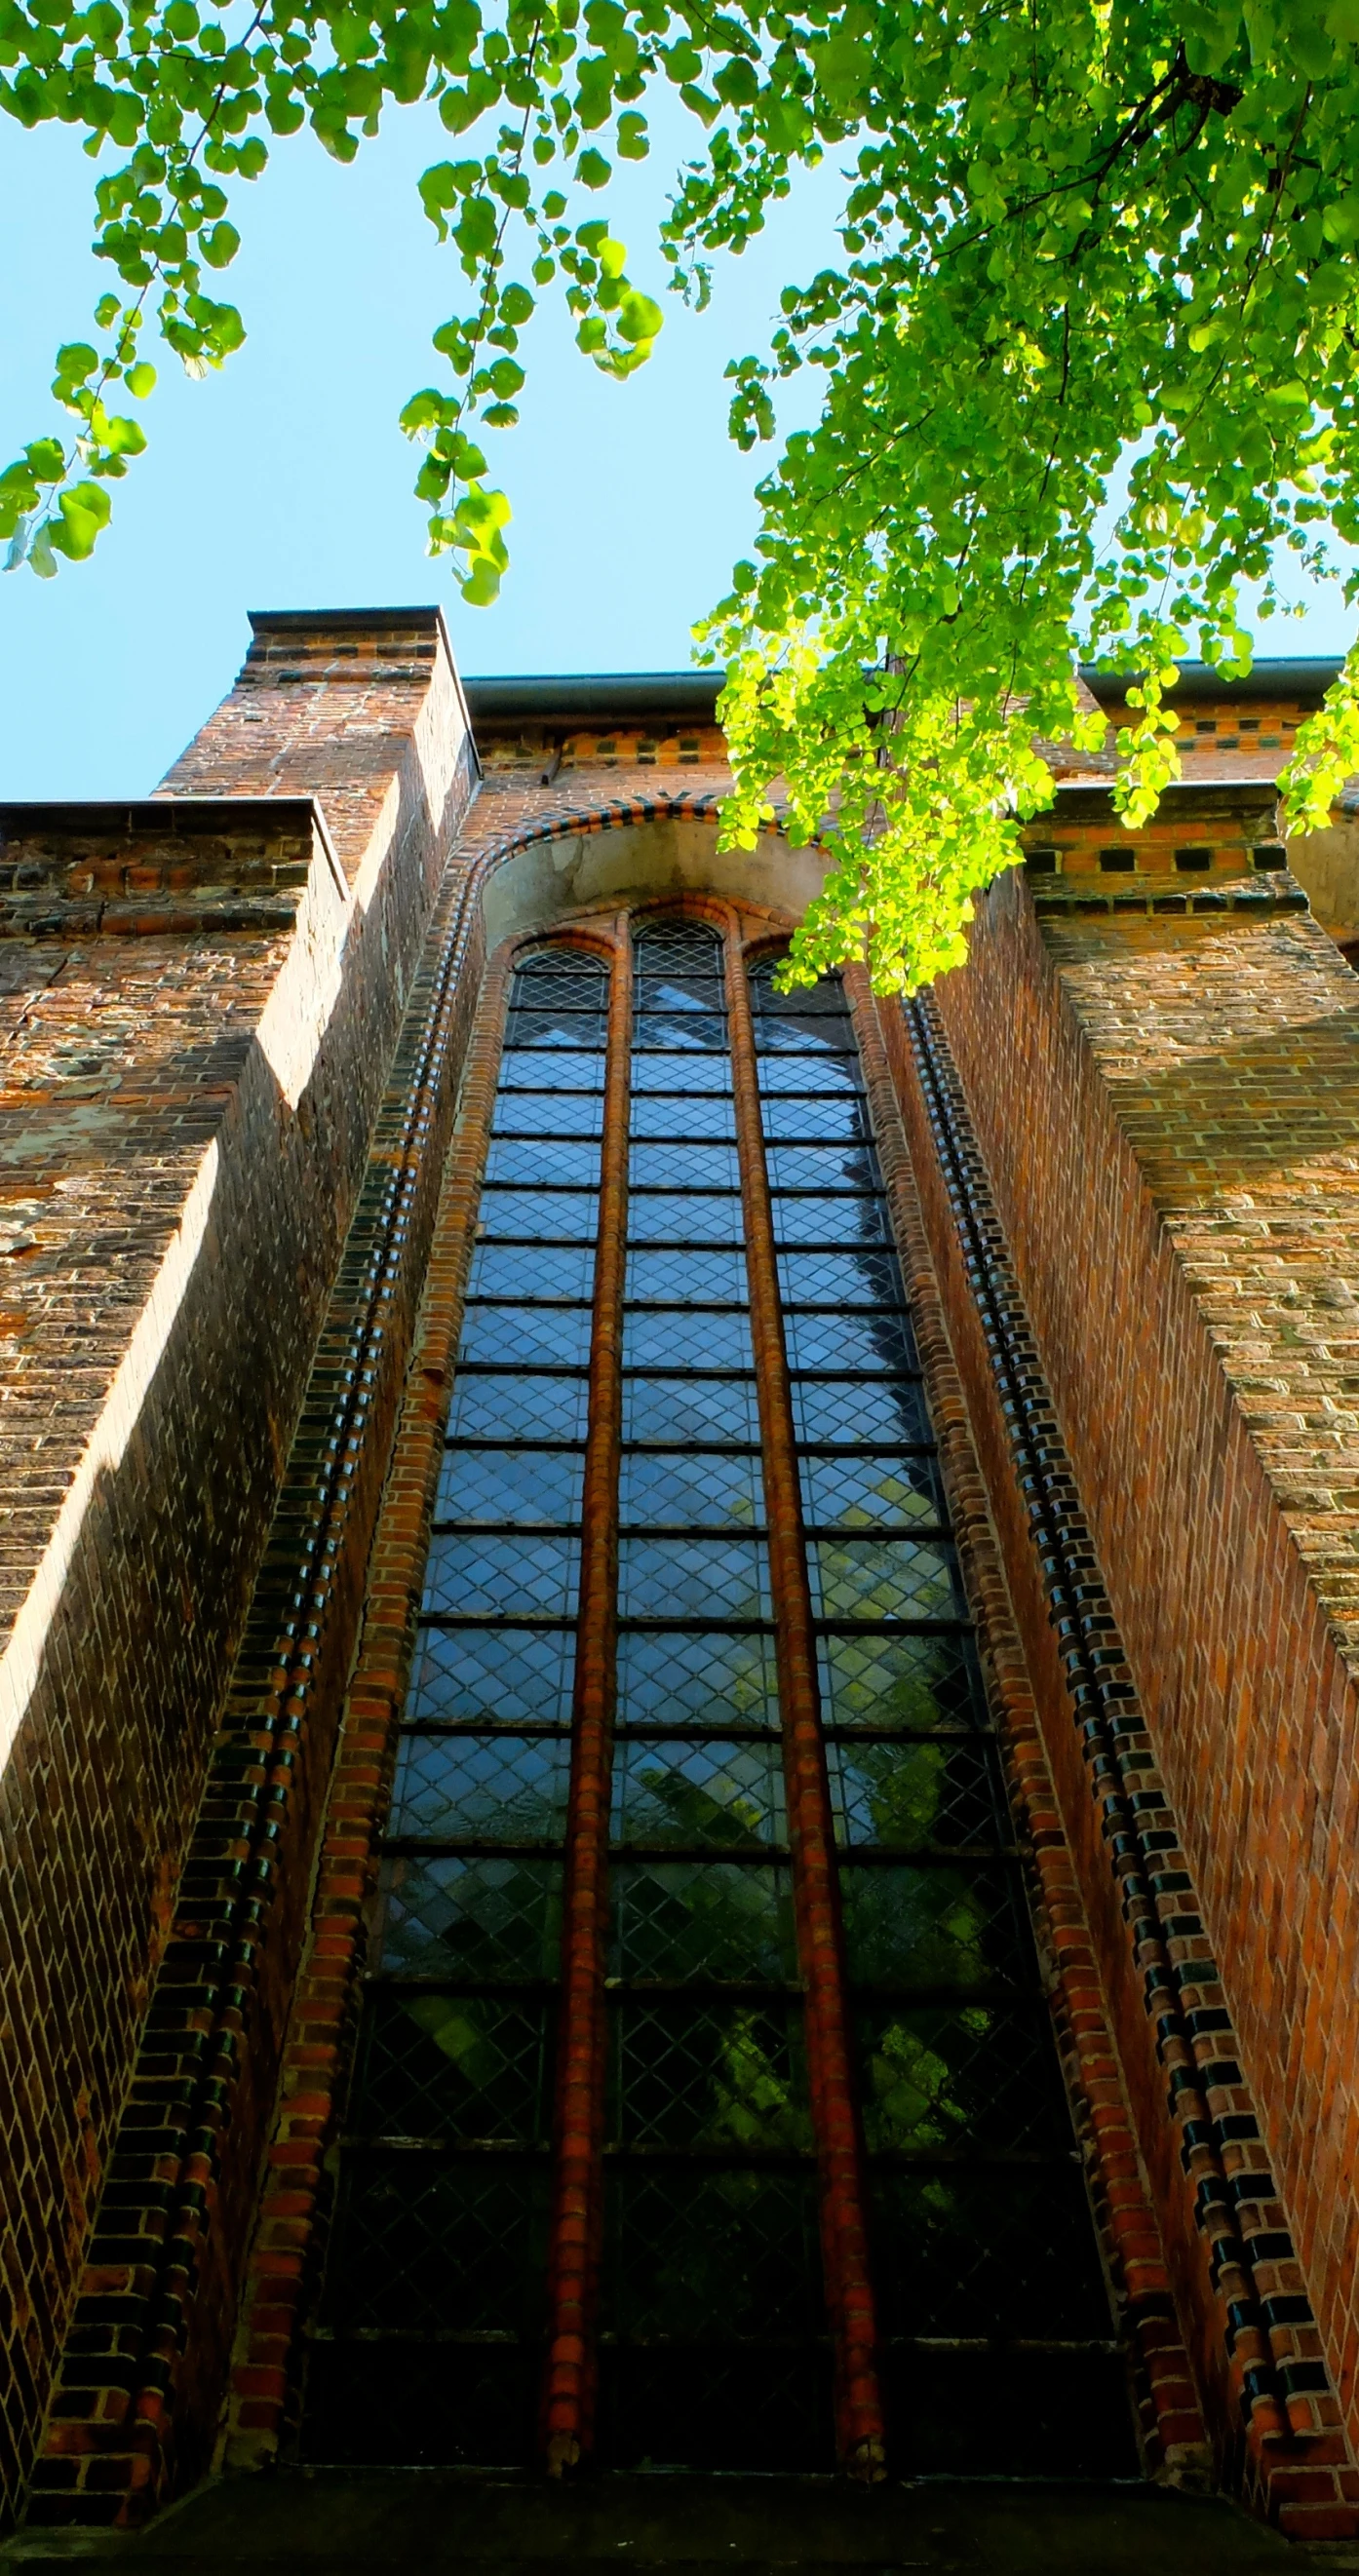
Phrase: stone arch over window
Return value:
(536, 885)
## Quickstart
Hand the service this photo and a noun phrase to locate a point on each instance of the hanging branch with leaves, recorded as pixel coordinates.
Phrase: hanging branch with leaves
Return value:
(1089, 342)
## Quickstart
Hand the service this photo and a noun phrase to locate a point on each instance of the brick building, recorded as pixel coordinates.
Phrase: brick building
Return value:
(680, 1687)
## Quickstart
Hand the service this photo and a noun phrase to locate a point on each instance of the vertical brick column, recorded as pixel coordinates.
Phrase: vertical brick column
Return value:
(577, 2219)
(287, 2250)
(1180, 1202)
(1240, 2291)
(144, 2369)
(207, 993)
(1171, 2417)
(860, 2432)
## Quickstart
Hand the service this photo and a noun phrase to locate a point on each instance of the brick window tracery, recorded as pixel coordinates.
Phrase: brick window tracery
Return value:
(706, 2110)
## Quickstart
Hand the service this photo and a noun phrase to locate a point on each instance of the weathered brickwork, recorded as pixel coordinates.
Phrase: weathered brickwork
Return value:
(1177, 1198)
(253, 1043)
(1239, 2285)
(1171, 2417)
(199, 1012)
(289, 2238)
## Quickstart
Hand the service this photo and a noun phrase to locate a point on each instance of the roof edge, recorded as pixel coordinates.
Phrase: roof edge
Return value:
(1275, 676)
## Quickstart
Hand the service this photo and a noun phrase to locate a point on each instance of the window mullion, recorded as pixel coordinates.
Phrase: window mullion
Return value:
(577, 2190)
(844, 2228)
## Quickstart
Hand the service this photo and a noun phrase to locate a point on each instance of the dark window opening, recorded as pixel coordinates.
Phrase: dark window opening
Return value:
(774, 1472)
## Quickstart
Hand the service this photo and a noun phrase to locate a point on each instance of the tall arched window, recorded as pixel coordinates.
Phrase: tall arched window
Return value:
(706, 2109)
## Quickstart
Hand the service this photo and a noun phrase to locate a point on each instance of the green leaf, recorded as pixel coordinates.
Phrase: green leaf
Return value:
(76, 363)
(638, 317)
(220, 245)
(481, 586)
(737, 83)
(46, 460)
(593, 170)
(698, 102)
(423, 411)
(475, 230)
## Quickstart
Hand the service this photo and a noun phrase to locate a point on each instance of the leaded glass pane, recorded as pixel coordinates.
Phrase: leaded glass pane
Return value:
(806, 1038)
(485, 1788)
(704, 1116)
(426, 2401)
(901, 1681)
(828, 1076)
(501, 1675)
(489, 1407)
(473, 1574)
(525, 1337)
(935, 1926)
(435, 2242)
(569, 1065)
(847, 1338)
(678, 1920)
(708, 2072)
(938, 2080)
(910, 1795)
(504, 1270)
(696, 2257)
(532, 1485)
(484, 1919)
(536, 1032)
(745, 2406)
(679, 952)
(659, 1218)
(715, 1795)
(693, 1578)
(528, 1216)
(531, 1162)
(670, 1040)
(666, 1409)
(826, 1410)
(883, 1578)
(811, 1222)
(885, 1492)
(685, 1277)
(994, 2253)
(549, 1113)
(870, 1277)
(683, 1167)
(456, 2067)
(822, 1167)
(679, 1678)
(679, 1337)
(831, 1118)
(689, 1489)
(679, 1075)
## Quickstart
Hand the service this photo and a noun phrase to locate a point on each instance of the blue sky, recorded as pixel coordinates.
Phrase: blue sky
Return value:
(284, 481)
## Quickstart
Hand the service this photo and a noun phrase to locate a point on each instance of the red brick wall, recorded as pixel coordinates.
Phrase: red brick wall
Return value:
(1169, 1108)
(199, 1013)
(1137, 1088)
